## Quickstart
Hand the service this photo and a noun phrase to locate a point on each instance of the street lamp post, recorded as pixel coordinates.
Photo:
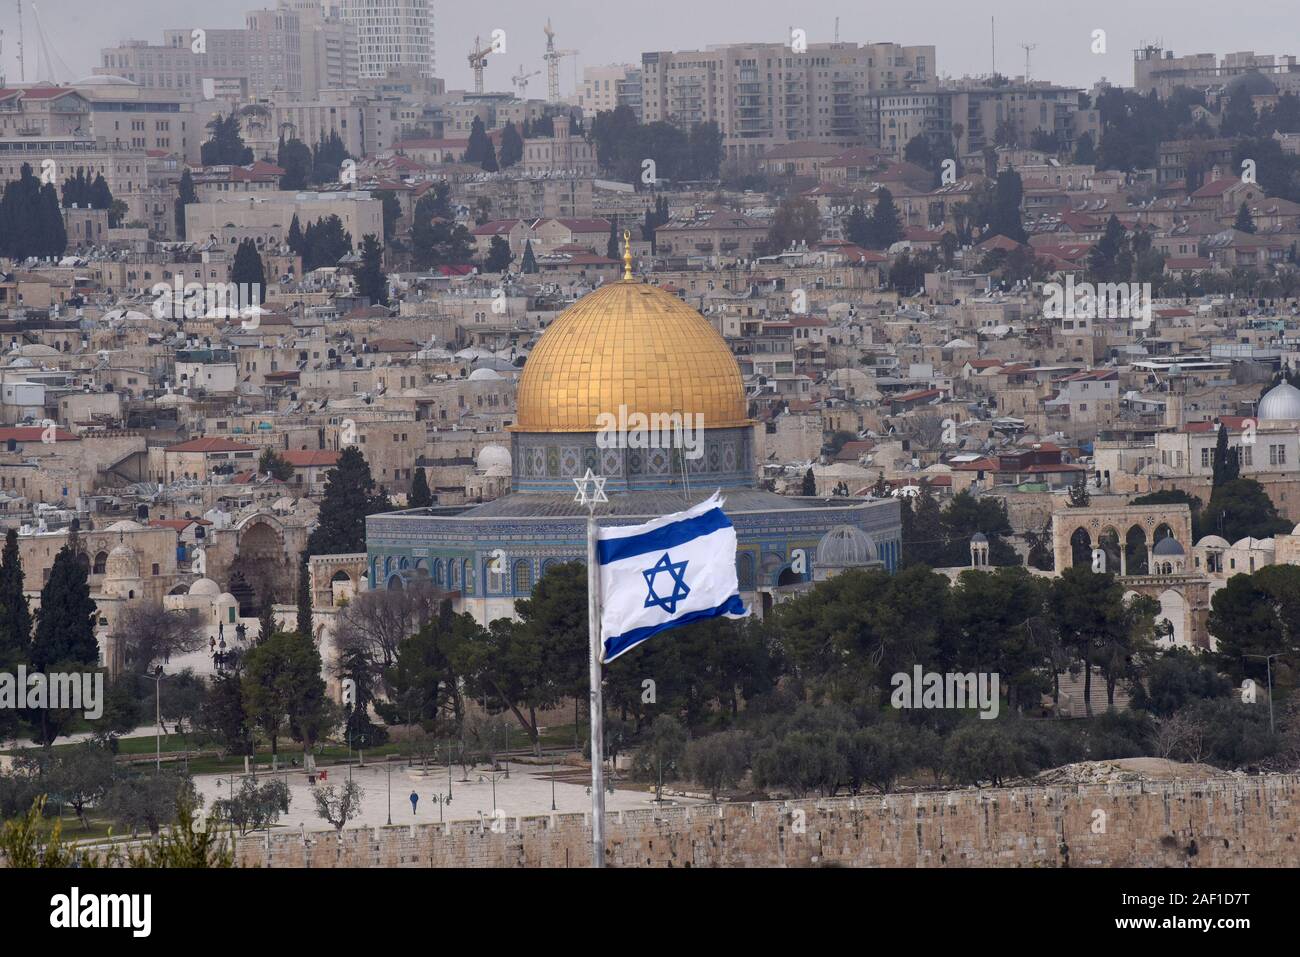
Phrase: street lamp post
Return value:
(389, 768)
(1268, 665)
(552, 782)
(156, 677)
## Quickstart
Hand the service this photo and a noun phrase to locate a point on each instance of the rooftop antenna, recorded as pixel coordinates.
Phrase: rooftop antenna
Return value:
(993, 35)
(837, 29)
(1027, 48)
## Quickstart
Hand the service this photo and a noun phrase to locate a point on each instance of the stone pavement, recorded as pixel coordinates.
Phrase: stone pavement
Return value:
(527, 791)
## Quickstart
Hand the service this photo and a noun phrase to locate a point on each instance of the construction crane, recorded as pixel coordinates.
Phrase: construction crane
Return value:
(520, 80)
(553, 57)
(477, 61)
(22, 62)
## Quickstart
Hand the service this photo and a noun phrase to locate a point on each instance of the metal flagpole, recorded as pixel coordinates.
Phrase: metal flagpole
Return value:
(591, 491)
(597, 704)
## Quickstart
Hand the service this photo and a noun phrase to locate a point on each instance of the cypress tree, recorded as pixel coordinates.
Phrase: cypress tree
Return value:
(15, 615)
(266, 618)
(348, 498)
(65, 624)
(304, 597)
(248, 271)
(420, 496)
(371, 280)
(530, 261)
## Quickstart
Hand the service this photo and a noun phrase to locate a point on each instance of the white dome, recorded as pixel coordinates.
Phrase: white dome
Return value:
(494, 456)
(1282, 402)
(1213, 541)
(205, 586)
(485, 375)
(125, 525)
(122, 563)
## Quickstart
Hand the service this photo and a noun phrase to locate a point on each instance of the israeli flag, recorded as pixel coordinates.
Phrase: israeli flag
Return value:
(668, 572)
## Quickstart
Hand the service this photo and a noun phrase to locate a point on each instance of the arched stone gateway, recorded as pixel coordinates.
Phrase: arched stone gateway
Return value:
(1153, 561)
(263, 560)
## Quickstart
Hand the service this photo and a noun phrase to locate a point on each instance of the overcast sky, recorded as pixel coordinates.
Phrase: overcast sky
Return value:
(613, 32)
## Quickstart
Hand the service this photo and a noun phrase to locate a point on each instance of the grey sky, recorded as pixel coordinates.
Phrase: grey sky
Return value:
(609, 32)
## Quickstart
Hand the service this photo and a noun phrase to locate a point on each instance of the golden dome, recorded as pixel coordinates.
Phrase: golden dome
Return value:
(634, 345)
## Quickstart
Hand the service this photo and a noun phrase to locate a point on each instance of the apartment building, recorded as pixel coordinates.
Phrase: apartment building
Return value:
(764, 94)
(392, 35)
(605, 88)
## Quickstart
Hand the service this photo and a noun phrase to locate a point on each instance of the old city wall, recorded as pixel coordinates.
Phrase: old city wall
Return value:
(1246, 821)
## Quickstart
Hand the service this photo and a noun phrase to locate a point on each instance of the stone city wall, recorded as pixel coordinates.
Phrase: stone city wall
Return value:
(1244, 821)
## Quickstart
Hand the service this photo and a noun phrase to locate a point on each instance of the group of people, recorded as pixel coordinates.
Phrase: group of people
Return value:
(217, 646)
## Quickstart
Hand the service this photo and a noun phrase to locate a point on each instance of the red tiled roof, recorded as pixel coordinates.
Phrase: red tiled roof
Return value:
(179, 524)
(306, 458)
(32, 433)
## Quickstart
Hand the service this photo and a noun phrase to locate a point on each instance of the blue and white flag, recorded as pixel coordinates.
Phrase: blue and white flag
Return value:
(668, 572)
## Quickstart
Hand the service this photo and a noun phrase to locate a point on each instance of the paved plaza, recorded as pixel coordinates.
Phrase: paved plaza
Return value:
(526, 792)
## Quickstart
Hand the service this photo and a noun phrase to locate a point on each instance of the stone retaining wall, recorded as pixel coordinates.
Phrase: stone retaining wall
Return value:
(1246, 821)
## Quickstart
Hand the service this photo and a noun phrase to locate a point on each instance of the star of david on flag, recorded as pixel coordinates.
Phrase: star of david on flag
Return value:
(668, 572)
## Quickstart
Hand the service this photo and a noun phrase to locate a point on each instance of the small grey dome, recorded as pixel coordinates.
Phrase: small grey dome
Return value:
(845, 546)
(1168, 548)
(979, 538)
(1282, 402)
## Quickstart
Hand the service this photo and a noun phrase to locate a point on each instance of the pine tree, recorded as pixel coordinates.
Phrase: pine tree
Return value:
(611, 247)
(15, 614)
(421, 496)
(809, 483)
(304, 597)
(65, 624)
(499, 256)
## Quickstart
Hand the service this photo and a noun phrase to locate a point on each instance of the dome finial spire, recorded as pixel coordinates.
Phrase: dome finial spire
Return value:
(627, 256)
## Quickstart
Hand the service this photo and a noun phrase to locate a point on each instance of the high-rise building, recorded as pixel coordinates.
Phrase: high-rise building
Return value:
(330, 59)
(391, 35)
(296, 48)
(764, 94)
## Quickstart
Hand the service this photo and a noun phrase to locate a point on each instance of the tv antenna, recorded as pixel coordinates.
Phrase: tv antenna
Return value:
(1027, 47)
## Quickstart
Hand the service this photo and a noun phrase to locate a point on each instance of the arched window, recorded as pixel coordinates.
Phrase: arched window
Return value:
(523, 577)
(745, 571)
(101, 560)
(468, 571)
(492, 574)
(437, 571)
